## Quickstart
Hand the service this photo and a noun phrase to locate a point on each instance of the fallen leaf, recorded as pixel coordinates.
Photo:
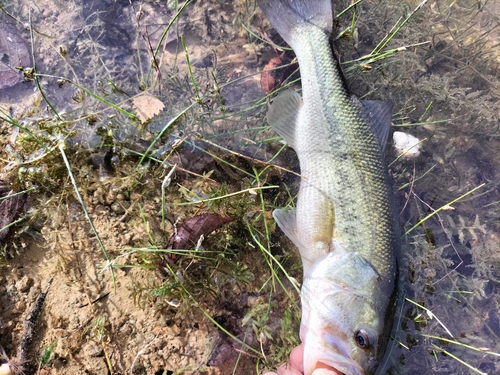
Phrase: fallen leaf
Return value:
(147, 106)
(267, 81)
(9, 208)
(191, 232)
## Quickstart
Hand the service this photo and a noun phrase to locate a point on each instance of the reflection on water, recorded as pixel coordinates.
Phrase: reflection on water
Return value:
(446, 92)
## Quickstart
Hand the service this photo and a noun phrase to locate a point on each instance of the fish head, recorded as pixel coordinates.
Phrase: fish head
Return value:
(344, 303)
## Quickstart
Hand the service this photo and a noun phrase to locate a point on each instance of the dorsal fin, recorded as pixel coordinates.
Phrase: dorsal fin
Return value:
(378, 113)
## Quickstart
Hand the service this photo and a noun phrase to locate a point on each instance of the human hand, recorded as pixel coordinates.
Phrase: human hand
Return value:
(295, 365)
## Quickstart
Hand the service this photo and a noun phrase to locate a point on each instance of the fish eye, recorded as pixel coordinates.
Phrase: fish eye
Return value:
(363, 339)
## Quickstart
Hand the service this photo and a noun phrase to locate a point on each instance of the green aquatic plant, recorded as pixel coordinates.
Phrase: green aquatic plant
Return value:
(463, 230)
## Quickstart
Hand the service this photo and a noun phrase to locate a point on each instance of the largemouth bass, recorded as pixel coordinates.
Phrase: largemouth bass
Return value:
(344, 224)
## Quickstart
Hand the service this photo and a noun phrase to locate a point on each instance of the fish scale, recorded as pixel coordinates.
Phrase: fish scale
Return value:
(344, 224)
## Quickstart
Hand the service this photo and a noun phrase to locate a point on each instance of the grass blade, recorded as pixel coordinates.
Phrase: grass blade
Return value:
(87, 215)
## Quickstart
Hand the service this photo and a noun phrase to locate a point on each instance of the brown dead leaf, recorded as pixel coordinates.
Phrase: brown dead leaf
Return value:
(267, 81)
(147, 107)
(191, 232)
(9, 208)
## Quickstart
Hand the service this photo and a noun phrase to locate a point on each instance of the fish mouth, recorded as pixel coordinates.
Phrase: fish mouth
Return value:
(332, 360)
(330, 349)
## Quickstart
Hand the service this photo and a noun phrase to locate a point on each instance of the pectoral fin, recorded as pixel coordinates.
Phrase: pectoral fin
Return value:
(286, 219)
(282, 115)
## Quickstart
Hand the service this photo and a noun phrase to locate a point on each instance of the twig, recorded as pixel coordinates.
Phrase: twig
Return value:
(29, 327)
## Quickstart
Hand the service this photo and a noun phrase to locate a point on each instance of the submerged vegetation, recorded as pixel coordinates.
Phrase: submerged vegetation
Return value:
(137, 119)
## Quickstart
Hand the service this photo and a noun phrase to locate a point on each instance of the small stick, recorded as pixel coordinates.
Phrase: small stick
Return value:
(29, 327)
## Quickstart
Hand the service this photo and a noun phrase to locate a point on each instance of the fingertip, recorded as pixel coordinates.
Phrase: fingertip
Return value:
(297, 358)
(323, 369)
(288, 369)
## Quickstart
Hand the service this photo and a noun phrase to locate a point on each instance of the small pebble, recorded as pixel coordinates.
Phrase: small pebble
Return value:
(406, 144)
(24, 284)
(92, 349)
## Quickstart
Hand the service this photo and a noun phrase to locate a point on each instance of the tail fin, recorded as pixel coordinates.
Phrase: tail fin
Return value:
(289, 17)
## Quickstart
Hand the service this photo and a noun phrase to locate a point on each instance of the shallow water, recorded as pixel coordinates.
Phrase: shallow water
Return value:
(446, 93)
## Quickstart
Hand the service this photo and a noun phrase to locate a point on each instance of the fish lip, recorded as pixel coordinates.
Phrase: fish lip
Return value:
(337, 355)
(338, 361)
(329, 347)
